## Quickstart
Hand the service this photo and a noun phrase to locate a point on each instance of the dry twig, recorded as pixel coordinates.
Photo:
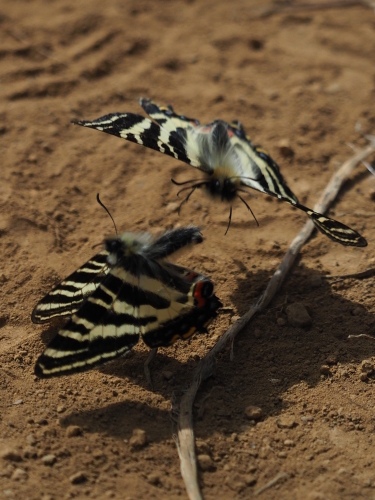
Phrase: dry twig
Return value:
(338, 4)
(185, 439)
(281, 476)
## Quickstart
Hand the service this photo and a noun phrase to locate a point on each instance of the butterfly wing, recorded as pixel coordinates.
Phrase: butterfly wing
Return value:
(143, 131)
(137, 296)
(67, 297)
(104, 327)
(262, 173)
(191, 305)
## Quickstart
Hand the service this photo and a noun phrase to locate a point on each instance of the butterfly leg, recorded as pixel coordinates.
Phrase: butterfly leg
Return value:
(146, 368)
(229, 221)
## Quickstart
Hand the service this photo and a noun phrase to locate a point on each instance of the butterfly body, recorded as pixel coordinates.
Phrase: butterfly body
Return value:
(139, 293)
(231, 163)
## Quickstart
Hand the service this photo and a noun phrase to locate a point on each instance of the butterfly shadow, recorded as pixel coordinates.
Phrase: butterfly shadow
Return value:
(271, 356)
(119, 419)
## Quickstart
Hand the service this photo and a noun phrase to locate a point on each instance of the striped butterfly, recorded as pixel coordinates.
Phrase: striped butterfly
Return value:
(126, 290)
(223, 151)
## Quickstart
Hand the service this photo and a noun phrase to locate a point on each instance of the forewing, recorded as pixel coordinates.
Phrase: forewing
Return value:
(143, 131)
(67, 297)
(105, 327)
(259, 170)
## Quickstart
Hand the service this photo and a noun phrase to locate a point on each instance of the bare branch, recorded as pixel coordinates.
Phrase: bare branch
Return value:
(185, 439)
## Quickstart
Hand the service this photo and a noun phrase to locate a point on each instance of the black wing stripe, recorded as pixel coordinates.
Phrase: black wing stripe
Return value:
(67, 296)
(183, 326)
(141, 130)
(335, 230)
(54, 362)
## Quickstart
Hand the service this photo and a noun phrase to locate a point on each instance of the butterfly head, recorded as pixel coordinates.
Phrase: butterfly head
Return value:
(125, 245)
(222, 186)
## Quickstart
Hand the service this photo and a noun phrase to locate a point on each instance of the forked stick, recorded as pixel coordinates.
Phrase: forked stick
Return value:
(185, 439)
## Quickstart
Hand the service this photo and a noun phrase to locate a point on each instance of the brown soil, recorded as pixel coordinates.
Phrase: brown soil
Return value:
(306, 78)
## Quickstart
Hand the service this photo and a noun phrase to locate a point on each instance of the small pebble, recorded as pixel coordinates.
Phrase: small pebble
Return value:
(324, 370)
(285, 149)
(154, 478)
(234, 318)
(298, 315)
(236, 482)
(357, 311)
(73, 431)
(367, 366)
(203, 448)
(172, 207)
(19, 474)
(60, 409)
(307, 418)
(10, 454)
(32, 158)
(78, 478)
(332, 359)
(138, 439)
(250, 480)
(264, 451)
(49, 460)
(281, 322)
(282, 454)
(286, 421)
(254, 412)
(363, 377)
(257, 333)
(31, 439)
(289, 443)
(315, 281)
(205, 463)
(18, 402)
(29, 452)
(167, 375)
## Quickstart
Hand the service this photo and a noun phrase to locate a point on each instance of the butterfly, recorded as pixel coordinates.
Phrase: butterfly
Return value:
(230, 161)
(126, 290)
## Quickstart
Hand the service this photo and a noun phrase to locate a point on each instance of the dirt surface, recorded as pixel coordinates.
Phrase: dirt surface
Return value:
(300, 79)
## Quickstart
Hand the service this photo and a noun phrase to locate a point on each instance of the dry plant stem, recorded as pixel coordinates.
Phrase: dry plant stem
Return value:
(185, 438)
(360, 276)
(281, 476)
(361, 336)
(285, 9)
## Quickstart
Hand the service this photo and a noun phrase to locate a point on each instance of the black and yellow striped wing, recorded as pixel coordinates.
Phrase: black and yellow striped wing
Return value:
(67, 297)
(139, 294)
(143, 131)
(257, 164)
(207, 147)
(121, 309)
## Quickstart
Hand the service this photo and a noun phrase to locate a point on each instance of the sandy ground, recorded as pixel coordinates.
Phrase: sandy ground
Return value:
(305, 79)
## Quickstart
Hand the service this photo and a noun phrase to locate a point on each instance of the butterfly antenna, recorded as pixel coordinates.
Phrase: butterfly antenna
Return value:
(230, 220)
(186, 199)
(195, 186)
(247, 206)
(108, 212)
(185, 182)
